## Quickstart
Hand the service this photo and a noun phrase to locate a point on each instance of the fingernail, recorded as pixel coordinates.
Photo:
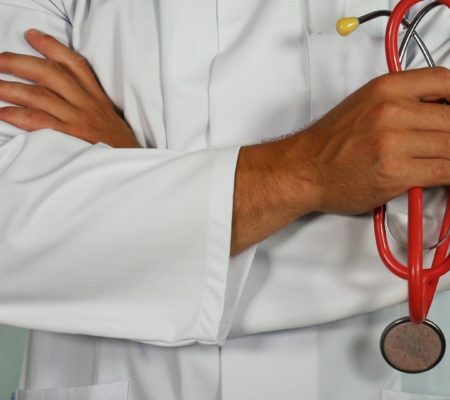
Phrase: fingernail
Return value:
(35, 32)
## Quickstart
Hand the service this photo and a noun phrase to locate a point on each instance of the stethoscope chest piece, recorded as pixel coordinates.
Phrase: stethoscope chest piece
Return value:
(412, 348)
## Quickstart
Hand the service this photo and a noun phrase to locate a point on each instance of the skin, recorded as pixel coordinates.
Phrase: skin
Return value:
(385, 138)
(66, 95)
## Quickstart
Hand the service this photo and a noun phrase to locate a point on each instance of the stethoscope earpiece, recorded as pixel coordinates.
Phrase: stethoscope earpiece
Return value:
(346, 26)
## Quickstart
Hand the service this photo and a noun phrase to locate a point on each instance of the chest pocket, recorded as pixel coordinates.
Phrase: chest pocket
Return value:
(340, 65)
(109, 391)
(324, 13)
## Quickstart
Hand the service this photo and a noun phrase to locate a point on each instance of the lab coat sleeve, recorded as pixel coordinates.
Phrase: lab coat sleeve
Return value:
(124, 243)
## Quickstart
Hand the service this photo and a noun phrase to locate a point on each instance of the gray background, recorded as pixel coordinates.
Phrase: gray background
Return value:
(12, 345)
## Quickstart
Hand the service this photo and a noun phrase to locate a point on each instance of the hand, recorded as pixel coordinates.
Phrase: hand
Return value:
(384, 139)
(65, 96)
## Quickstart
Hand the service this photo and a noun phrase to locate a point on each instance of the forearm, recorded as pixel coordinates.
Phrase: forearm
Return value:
(274, 186)
(357, 157)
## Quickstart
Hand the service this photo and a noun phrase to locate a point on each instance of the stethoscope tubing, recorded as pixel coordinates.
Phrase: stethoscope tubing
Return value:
(421, 283)
(411, 32)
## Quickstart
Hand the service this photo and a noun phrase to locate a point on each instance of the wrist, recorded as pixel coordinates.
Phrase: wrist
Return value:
(300, 173)
(275, 185)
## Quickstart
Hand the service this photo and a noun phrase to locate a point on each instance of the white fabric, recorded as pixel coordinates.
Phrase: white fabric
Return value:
(112, 391)
(79, 221)
(133, 244)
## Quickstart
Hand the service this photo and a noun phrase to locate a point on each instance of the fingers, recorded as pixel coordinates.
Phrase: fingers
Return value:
(431, 83)
(38, 97)
(429, 173)
(419, 145)
(429, 116)
(45, 72)
(413, 159)
(406, 114)
(420, 84)
(412, 145)
(74, 62)
(65, 97)
(29, 119)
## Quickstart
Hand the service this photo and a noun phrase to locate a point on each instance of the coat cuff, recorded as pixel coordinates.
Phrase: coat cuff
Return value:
(224, 276)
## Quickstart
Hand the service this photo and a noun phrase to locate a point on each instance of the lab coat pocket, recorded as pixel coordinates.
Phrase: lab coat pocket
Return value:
(340, 65)
(396, 395)
(109, 391)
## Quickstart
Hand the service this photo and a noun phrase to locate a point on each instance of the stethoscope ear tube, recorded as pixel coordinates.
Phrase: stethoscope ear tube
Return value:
(421, 283)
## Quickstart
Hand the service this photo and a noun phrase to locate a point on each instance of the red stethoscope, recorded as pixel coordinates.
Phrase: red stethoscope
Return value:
(412, 344)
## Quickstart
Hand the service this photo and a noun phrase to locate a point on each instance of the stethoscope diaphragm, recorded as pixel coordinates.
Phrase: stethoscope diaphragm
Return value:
(412, 348)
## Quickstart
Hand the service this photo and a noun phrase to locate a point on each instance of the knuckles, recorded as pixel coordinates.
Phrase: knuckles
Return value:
(80, 61)
(385, 111)
(389, 168)
(386, 142)
(38, 91)
(389, 165)
(36, 118)
(51, 65)
(381, 86)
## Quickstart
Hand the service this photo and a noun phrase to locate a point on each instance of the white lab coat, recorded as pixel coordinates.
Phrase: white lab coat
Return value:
(123, 253)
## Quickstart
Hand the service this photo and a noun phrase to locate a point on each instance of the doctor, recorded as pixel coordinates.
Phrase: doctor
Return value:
(118, 258)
